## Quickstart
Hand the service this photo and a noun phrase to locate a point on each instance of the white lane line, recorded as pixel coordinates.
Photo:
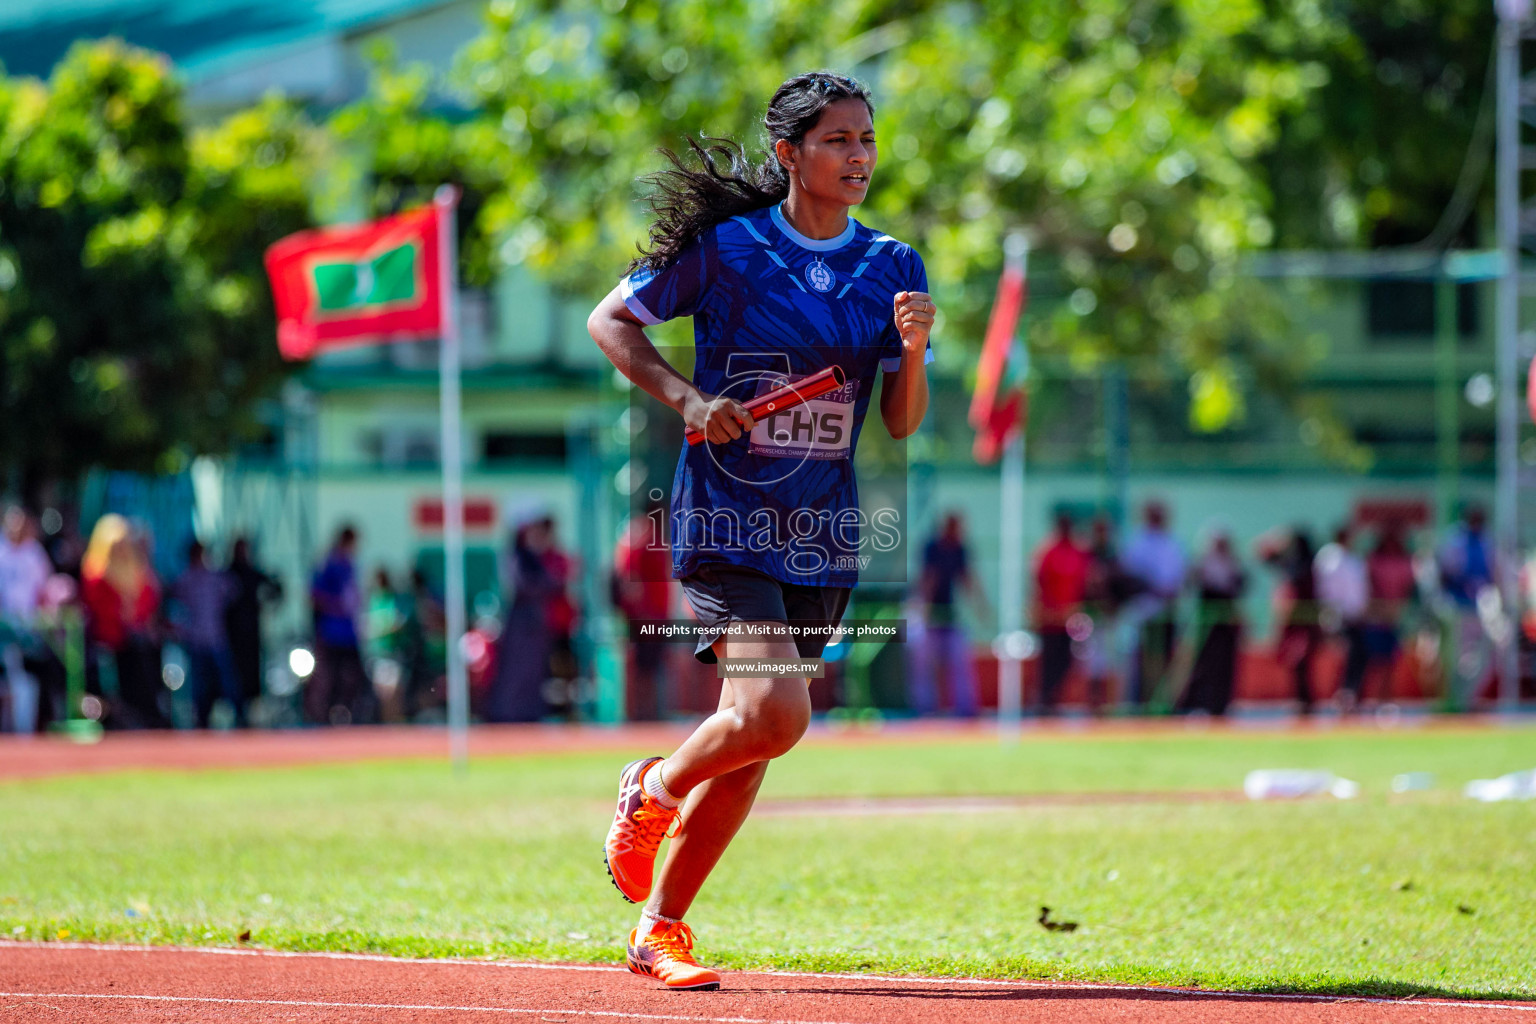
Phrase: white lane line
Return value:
(531, 965)
(403, 1006)
(378, 958)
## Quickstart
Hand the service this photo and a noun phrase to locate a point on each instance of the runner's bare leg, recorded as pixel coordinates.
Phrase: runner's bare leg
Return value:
(766, 717)
(716, 808)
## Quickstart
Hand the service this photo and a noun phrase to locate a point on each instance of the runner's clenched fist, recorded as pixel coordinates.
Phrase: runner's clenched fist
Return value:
(914, 319)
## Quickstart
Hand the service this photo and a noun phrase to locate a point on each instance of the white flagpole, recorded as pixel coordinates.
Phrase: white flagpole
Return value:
(1010, 665)
(1513, 16)
(451, 454)
(1010, 600)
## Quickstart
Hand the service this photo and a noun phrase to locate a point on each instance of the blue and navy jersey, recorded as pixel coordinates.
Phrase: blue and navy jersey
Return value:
(771, 306)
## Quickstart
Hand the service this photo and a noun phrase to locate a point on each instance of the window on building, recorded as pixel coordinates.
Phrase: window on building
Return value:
(509, 445)
(1397, 310)
(398, 447)
(418, 448)
(370, 447)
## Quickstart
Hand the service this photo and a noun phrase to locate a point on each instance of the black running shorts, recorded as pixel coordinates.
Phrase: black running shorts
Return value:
(722, 594)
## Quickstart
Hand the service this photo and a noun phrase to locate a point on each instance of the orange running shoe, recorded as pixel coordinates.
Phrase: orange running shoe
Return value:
(639, 826)
(667, 955)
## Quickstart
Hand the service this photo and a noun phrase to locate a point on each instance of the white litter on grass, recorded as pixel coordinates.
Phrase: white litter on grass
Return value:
(1413, 780)
(1291, 783)
(1514, 786)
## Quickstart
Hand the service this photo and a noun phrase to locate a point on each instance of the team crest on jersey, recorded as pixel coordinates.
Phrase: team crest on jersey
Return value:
(819, 276)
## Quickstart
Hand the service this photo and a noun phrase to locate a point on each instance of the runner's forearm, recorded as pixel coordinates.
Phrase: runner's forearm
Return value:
(624, 341)
(904, 396)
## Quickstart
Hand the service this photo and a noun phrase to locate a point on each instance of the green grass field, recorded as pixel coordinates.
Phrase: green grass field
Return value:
(1359, 897)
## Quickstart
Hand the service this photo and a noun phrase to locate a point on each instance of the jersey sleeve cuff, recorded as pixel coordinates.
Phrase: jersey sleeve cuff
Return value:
(892, 364)
(627, 291)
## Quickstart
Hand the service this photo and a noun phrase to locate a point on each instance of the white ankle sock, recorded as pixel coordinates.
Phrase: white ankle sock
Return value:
(650, 922)
(658, 789)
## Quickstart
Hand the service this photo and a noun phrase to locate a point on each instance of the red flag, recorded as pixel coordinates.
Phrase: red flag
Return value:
(357, 284)
(998, 403)
(1530, 390)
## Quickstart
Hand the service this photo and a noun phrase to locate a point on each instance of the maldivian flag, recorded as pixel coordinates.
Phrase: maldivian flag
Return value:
(998, 403)
(358, 284)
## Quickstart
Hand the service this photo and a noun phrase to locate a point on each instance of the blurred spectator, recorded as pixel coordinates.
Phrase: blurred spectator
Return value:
(1061, 578)
(1466, 558)
(253, 588)
(561, 615)
(1342, 594)
(528, 640)
(1389, 570)
(1105, 589)
(1154, 559)
(67, 549)
(122, 598)
(642, 592)
(423, 651)
(24, 567)
(339, 691)
(1293, 556)
(385, 618)
(946, 567)
(203, 597)
(1525, 636)
(1219, 583)
(384, 615)
(34, 676)
(1466, 565)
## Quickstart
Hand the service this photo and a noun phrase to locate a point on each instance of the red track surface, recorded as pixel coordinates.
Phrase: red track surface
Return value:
(32, 757)
(62, 982)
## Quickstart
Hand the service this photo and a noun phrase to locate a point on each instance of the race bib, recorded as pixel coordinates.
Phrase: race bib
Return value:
(819, 429)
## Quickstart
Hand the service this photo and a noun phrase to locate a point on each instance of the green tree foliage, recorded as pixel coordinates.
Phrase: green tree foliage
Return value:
(1127, 138)
(1145, 145)
(395, 146)
(135, 321)
(1403, 124)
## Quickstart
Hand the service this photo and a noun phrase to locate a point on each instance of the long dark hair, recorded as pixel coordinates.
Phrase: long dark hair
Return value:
(687, 201)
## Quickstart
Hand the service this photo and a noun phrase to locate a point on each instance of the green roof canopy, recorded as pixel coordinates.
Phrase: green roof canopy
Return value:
(198, 35)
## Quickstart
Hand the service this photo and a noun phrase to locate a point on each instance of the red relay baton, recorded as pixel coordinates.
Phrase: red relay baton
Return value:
(788, 396)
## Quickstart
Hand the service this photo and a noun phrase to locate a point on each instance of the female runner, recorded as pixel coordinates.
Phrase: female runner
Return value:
(781, 283)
